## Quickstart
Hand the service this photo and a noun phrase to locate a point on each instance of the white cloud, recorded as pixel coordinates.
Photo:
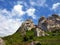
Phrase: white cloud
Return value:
(18, 9)
(37, 2)
(8, 24)
(31, 12)
(8, 27)
(55, 6)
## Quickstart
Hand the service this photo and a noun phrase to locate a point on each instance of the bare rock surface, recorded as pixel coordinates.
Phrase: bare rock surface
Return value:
(48, 24)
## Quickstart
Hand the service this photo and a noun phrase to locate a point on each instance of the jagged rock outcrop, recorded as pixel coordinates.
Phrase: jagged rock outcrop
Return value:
(27, 25)
(2, 41)
(42, 23)
(39, 32)
(49, 23)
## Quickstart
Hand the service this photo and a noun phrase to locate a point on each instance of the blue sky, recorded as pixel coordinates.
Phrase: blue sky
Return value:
(14, 12)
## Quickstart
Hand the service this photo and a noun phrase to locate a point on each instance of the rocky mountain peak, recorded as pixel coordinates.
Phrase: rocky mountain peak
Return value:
(50, 22)
(42, 18)
(55, 15)
(27, 25)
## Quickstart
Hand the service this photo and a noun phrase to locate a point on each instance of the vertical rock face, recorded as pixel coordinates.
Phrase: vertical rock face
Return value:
(1, 42)
(42, 23)
(49, 23)
(39, 32)
(53, 22)
(28, 25)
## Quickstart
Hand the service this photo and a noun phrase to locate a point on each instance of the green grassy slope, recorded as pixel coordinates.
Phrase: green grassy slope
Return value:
(17, 39)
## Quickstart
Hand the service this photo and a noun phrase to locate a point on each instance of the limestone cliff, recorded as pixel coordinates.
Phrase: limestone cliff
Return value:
(49, 23)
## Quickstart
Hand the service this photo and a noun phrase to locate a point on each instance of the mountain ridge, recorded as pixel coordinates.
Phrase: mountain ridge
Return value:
(30, 33)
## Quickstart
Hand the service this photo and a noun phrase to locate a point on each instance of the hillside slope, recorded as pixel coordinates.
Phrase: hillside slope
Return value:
(17, 39)
(31, 34)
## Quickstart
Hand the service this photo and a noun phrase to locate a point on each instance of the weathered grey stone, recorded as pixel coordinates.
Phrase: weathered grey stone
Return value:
(27, 25)
(48, 24)
(39, 32)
